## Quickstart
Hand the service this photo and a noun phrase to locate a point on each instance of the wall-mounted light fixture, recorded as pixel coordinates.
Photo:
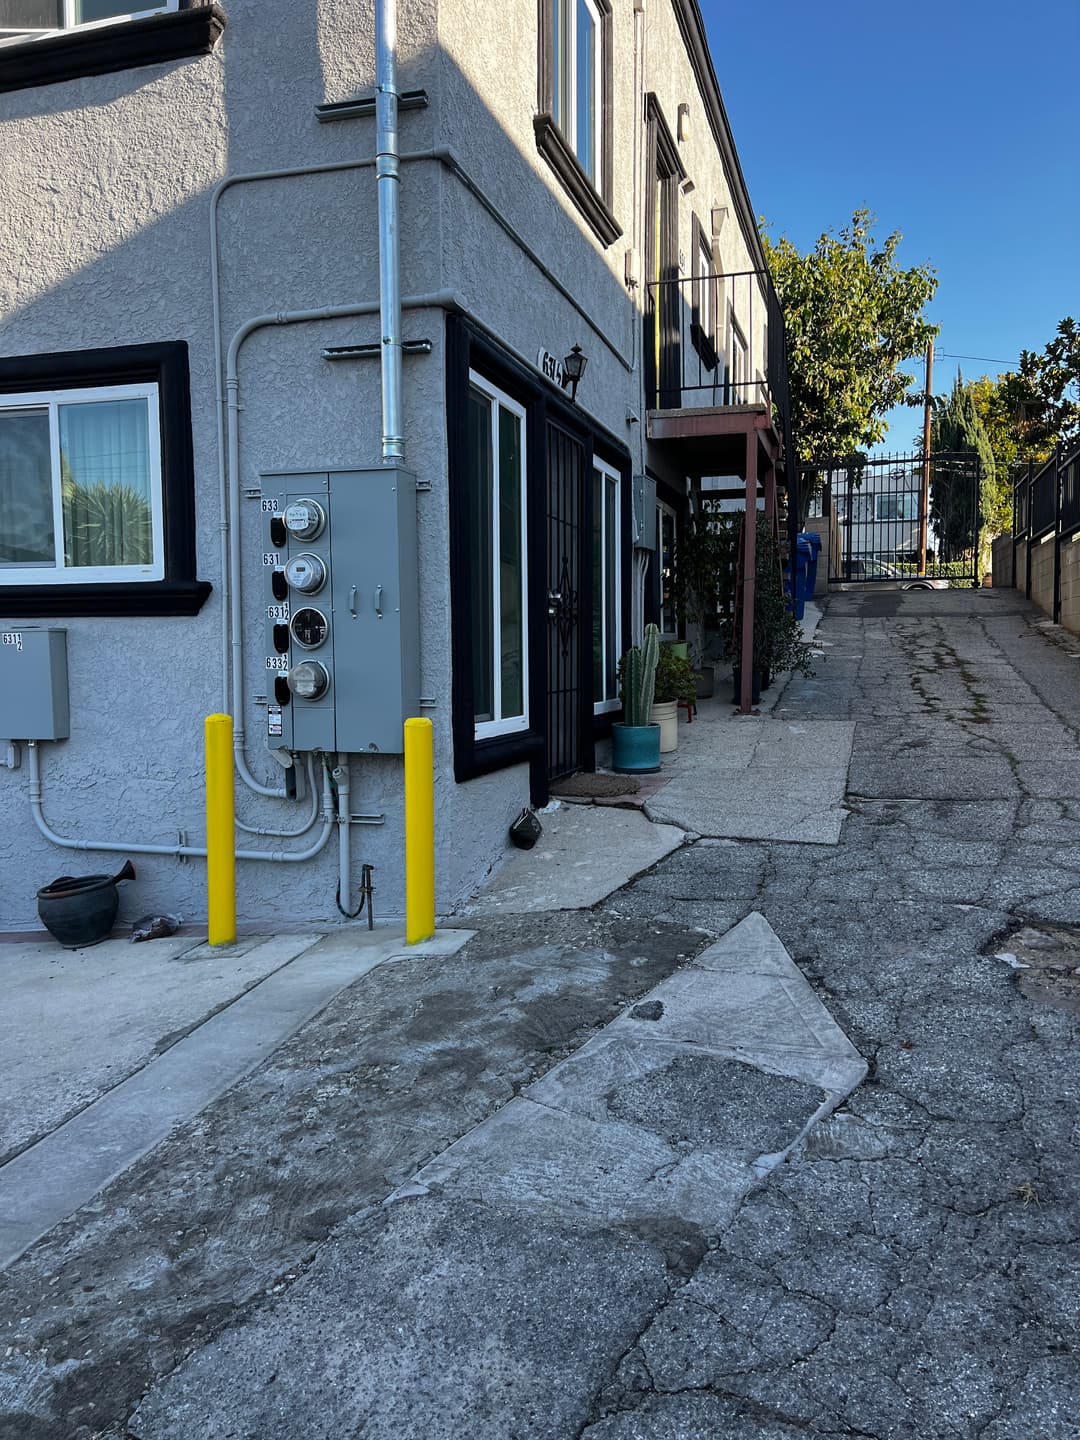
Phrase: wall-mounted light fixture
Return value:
(573, 368)
(719, 215)
(683, 123)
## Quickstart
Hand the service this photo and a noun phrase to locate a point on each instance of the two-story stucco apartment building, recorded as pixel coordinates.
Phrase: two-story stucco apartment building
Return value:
(197, 483)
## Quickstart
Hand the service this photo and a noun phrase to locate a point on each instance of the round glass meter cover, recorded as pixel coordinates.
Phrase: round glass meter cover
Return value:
(304, 519)
(309, 627)
(308, 680)
(306, 573)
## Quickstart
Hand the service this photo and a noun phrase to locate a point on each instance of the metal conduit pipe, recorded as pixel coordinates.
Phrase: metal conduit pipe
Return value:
(178, 852)
(313, 815)
(341, 779)
(439, 299)
(388, 181)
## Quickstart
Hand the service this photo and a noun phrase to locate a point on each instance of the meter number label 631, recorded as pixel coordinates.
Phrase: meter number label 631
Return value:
(277, 612)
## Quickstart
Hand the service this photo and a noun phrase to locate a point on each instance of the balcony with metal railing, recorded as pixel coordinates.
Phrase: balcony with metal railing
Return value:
(716, 366)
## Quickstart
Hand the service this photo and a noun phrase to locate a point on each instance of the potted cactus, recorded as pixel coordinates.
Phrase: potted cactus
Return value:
(635, 743)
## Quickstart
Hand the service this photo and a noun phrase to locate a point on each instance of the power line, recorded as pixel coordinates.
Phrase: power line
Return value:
(989, 360)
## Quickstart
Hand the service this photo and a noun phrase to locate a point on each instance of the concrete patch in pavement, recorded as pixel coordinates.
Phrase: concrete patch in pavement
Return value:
(50, 1179)
(584, 854)
(626, 1128)
(759, 779)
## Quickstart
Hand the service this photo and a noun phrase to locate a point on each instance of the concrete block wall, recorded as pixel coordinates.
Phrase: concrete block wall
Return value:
(1042, 574)
(1001, 551)
(1070, 584)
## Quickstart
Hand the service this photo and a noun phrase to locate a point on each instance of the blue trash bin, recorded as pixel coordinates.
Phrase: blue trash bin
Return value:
(802, 561)
(810, 544)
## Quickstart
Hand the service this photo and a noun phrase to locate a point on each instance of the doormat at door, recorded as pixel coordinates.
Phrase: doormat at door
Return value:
(589, 786)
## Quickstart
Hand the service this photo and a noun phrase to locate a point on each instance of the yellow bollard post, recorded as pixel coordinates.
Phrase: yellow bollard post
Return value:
(220, 831)
(419, 831)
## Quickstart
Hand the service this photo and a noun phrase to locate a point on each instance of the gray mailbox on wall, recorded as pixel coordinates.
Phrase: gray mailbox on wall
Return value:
(343, 641)
(34, 684)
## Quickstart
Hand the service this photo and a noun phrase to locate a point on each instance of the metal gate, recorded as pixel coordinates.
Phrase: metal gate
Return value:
(565, 522)
(896, 523)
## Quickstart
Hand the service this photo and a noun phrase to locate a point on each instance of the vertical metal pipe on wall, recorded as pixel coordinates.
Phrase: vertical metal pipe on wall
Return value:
(387, 175)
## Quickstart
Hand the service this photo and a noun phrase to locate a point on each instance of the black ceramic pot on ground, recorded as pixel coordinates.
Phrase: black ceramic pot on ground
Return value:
(79, 910)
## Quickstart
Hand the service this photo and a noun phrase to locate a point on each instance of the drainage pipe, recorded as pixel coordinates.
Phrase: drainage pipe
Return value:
(178, 852)
(388, 181)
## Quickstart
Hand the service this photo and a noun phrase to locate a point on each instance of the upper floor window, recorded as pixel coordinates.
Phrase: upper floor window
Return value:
(574, 119)
(576, 98)
(35, 19)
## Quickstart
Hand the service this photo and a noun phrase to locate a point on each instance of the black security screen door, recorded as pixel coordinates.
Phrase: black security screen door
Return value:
(565, 595)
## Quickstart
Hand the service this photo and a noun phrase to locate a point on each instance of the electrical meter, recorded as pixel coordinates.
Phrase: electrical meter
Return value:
(309, 680)
(309, 627)
(306, 573)
(306, 519)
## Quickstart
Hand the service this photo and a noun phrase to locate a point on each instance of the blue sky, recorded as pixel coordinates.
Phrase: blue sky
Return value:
(955, 123)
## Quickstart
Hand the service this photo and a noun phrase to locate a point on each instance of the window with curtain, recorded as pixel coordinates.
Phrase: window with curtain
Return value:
(28, 19)
(496, 502)
(606, 609)
(81, 486)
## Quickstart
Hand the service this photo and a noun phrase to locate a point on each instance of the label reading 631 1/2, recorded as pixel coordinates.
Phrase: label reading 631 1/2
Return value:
(12, 637)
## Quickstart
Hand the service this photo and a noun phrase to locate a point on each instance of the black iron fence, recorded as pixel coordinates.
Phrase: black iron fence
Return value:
(1047, 498)
(1046, 506)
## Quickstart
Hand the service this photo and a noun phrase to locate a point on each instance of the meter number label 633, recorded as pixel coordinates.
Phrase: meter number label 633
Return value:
(277, 662)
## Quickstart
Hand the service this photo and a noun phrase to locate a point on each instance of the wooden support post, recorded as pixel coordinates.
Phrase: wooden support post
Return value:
(746, 653)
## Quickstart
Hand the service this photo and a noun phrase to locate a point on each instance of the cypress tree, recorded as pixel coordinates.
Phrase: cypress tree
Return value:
(957, 500)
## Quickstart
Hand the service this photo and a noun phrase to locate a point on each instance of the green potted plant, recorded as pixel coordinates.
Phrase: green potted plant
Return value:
(635, 741)
(674, 683)
(704, 581)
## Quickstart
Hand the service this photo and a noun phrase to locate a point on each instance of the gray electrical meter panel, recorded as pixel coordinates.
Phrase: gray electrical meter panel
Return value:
(34, 683)
(342, 619)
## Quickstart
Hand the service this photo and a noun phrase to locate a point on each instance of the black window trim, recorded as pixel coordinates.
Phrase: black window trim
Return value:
(704, 341)
(594, 201)
(166, 365)
(193, 29)
(468, 347)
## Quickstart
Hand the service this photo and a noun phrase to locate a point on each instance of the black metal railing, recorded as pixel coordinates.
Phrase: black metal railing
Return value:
(715, 340)
(1044, 499)
(1069, 473)
(1021, 505)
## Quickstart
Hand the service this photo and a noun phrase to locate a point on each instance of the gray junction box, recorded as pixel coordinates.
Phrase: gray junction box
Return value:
(34, 684)
(341, 602)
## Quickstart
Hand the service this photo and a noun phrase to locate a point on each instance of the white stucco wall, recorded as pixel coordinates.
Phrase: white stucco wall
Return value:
(105, 188)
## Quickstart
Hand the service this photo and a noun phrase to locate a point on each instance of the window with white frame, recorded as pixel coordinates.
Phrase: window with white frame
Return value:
(576, 99)
(738, 363)
(81, 486)
(497, 521)
(607, 608)
(34, 19)
(665, 563)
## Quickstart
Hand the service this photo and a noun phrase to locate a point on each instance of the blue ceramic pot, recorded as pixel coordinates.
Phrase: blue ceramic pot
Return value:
(635, 749)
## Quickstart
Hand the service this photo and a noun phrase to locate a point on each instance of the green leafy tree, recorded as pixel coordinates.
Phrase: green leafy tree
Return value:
(853, 315)
(957, 499)
(1045, 395)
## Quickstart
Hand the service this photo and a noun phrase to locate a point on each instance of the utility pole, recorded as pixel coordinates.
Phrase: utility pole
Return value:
(924, 507)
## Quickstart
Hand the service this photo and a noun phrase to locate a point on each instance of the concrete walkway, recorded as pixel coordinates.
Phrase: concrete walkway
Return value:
(612, 1216)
